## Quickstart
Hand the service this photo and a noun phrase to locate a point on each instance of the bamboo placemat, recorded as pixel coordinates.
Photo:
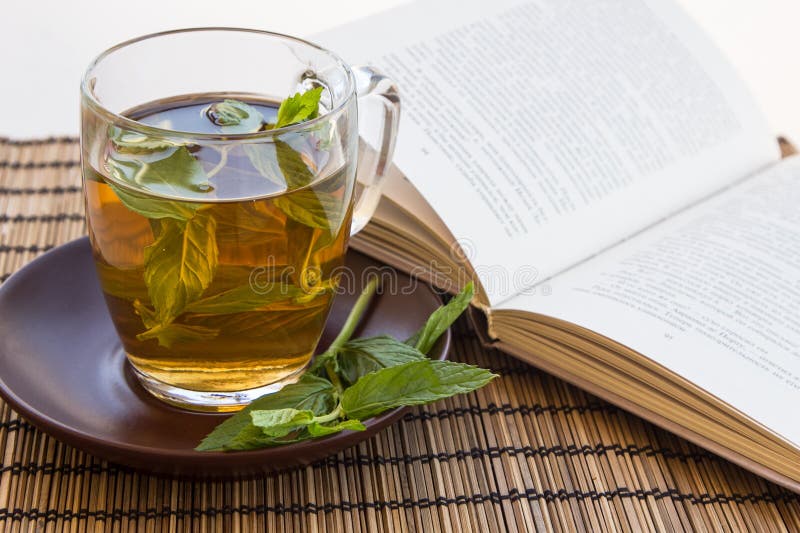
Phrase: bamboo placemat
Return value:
(528, 452)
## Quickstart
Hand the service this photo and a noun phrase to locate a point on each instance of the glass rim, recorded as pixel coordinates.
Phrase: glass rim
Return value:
(118, 119)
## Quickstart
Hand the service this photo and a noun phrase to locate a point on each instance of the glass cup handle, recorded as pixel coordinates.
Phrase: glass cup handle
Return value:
(376, 93)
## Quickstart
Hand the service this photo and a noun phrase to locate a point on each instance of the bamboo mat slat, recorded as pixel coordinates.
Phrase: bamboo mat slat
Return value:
(528, 452)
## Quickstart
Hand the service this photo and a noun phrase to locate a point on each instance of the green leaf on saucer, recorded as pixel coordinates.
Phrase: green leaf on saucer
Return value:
(280, 422)
(359, 357)
(413, 383)
(316, 429)
(441, 319)
(309, 393)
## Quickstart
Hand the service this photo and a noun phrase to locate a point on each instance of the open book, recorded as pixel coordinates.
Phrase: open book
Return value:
(600, 171)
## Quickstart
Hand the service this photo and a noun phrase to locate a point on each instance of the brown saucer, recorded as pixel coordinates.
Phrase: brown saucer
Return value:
(62, 367)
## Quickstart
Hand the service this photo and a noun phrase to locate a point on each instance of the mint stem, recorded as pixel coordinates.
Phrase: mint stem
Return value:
(355, 316)
(223, 160)
(347, 331)
(333, 415)
(333, 376)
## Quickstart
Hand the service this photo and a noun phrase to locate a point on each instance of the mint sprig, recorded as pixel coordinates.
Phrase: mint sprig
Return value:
(354, 379)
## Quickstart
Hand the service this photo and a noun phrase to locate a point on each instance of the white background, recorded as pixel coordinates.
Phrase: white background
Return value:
(46, 44)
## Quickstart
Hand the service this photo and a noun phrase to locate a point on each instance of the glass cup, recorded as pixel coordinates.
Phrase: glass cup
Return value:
(217, 232)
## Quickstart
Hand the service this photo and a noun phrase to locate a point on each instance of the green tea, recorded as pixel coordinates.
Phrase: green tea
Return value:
(218, 261)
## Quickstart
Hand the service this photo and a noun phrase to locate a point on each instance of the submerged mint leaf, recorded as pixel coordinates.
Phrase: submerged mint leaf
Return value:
(441, 319)
(264, 159)
(285, 166)
(299, 108)
(362, 356)
(280, 163)
(176, 174)
(169, 334)
(315, 209)
(245, 298)
(147, 315)
(316, 429)
(152, 207)
(233, 116)
(309, 393)
(413, 383)
(117, 282)
(296, 172)
(180, 264)
(133, 142)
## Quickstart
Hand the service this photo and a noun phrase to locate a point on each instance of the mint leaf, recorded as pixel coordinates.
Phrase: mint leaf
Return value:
(147, 315)
(281, 422)
(263, 157)
(299, 108)
(441, 319)
(249, 437)
(244, 298)
(132, 142)
(169, 334)
(176, 174)
(248, 224)
(413, 383)
(362, 356)
(316, 429)
(121, 283)
(173, 175)
(272, 427)
(233, 116)
(282, 318)
(180, 264)
(153, 207)
(280, 163)
(309, 393)
(315, 209)
(296, 172)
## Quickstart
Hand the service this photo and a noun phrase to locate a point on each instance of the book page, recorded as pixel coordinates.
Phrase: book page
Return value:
(543, 131)
(712, 294)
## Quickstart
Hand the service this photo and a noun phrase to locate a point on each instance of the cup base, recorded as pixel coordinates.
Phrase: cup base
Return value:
(210, 402)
